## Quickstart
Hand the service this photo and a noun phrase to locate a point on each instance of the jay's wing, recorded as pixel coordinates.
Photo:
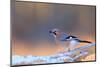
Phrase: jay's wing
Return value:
(63, 37)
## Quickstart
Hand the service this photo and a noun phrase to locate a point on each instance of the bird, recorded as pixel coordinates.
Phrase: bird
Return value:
(66, 40)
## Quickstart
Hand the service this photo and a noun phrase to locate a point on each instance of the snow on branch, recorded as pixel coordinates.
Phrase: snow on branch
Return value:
(65, 56)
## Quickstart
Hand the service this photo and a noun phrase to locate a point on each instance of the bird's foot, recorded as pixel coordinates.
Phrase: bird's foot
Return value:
(69, 50)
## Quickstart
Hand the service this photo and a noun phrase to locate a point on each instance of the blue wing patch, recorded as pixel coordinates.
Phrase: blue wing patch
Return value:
(63, 37)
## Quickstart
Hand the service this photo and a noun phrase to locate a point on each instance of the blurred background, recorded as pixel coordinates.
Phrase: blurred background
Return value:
(31, 22)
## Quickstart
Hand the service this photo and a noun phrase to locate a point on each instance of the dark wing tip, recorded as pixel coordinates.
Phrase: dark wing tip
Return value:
(84, 41)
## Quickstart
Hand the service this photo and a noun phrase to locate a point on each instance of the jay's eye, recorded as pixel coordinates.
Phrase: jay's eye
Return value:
(54, 31)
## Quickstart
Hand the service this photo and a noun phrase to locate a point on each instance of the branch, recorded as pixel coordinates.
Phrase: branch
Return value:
(71, 56)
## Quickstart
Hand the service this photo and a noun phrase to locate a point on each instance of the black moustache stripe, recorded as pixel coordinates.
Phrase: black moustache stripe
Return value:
(54, 33)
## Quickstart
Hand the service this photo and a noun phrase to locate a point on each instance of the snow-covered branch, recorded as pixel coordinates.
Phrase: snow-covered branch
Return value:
(71, 56)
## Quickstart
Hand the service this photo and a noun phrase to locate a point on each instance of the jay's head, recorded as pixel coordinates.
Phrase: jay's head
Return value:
(55, 32)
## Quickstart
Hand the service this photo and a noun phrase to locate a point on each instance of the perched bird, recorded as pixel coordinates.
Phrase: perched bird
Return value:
(67, 41)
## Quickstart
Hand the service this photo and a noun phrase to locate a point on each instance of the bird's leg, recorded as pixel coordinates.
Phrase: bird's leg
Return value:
(71, 47)
(68, 49)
